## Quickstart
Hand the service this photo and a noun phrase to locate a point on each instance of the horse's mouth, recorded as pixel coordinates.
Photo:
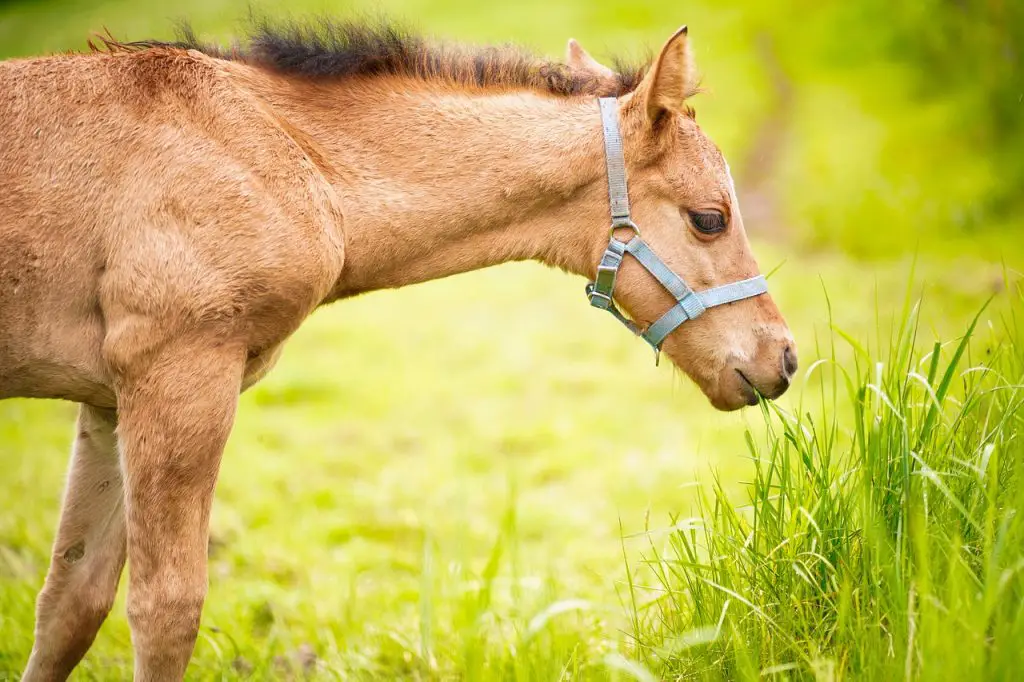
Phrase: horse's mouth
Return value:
(750, 393)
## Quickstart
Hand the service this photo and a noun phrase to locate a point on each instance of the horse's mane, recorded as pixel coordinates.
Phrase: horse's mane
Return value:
(332, 49)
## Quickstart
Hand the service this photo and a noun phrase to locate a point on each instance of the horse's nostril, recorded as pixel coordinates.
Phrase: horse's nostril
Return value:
(789, 363)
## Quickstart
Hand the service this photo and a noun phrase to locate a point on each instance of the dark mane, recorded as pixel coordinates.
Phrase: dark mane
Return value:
(328, 48)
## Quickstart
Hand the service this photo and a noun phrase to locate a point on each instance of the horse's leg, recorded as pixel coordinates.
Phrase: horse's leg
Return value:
(88, 554)
(175, 414)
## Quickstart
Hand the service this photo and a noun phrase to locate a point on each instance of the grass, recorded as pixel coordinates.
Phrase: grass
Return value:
(506, 488)
(881, 536)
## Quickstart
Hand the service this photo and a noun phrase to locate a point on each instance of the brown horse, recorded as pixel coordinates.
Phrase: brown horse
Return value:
(171, 213)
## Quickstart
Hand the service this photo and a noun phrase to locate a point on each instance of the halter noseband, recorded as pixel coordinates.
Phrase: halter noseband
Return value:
(689, 303)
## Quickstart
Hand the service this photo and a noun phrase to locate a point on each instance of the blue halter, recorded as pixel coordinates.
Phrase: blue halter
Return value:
(689, 303)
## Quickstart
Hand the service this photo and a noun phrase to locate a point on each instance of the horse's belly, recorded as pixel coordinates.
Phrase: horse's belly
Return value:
(56, 361)
(51, 328)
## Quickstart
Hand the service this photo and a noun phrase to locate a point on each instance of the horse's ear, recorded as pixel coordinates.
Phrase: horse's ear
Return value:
(578, 58)
(670, 80)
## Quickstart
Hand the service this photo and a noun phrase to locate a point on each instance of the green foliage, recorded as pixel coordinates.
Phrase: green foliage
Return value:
(972, 52)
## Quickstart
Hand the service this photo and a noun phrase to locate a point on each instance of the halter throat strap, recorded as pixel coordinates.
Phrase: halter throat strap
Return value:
(689, 303)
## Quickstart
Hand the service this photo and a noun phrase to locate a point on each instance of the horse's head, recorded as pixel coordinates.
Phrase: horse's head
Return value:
(684, 205)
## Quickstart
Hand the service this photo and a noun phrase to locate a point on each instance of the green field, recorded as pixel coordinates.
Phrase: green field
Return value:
(507, 488)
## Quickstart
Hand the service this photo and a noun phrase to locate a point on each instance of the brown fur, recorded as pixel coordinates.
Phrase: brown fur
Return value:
(169, 218)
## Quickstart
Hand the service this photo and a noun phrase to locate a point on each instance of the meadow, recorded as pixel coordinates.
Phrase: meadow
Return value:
(482, 478)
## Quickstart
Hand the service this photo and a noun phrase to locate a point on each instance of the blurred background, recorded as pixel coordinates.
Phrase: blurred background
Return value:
(409, 503)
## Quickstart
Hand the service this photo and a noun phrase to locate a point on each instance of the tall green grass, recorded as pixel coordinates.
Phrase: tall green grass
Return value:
(882, 538)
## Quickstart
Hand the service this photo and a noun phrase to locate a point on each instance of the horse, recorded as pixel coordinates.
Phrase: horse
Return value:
(171, 212)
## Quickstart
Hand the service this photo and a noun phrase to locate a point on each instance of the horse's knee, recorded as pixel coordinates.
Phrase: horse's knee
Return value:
(178, 601)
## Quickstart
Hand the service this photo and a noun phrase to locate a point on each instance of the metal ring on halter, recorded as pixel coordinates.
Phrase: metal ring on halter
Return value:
(625, 223)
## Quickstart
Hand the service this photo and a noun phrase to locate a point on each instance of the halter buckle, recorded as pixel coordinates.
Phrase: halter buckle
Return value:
(597, 298)
(603, 285)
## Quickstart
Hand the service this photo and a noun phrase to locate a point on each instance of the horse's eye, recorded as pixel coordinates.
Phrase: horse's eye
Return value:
(708, 222)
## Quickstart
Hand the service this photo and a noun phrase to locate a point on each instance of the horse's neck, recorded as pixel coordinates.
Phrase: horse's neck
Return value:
(436, 182)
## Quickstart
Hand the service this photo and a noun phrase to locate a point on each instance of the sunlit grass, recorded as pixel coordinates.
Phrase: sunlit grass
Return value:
(881, 534)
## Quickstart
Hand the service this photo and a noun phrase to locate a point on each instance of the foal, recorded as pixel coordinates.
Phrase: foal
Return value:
(170, 214)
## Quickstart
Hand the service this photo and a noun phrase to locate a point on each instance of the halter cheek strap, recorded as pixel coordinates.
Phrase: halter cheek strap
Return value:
(689, 303)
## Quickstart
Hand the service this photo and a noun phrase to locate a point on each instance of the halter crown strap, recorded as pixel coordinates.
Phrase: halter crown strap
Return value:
(615, 162)
(689, 303)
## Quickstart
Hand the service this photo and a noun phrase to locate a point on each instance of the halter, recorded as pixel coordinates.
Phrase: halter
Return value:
(689, 303)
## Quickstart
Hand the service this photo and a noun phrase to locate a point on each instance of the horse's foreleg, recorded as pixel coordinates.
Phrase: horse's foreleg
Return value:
(174, 418)
(88, 554)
